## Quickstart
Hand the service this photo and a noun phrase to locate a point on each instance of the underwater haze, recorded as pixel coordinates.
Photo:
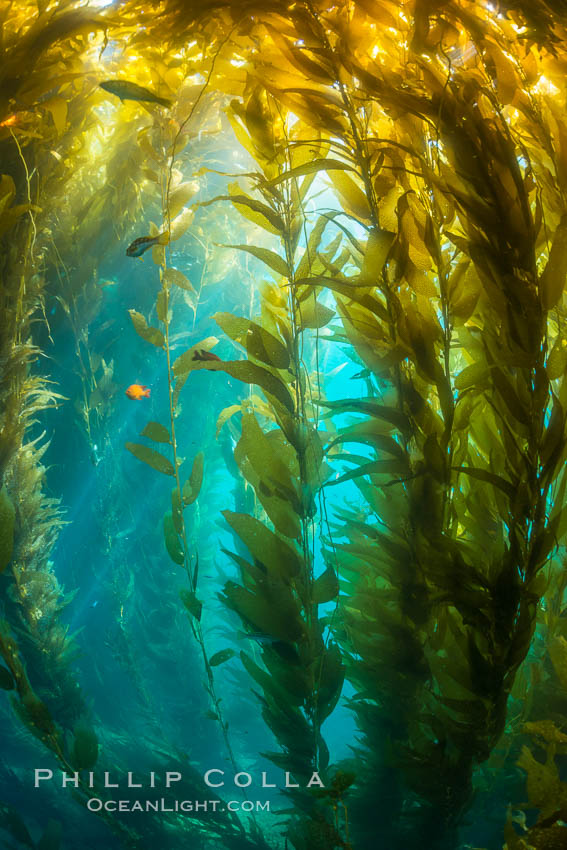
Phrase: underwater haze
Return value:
(283, 425)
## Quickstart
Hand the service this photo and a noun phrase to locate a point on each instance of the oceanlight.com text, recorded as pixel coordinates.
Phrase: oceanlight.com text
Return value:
(95, 804)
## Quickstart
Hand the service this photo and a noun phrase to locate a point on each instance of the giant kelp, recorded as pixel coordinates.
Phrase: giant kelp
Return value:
(439, 128)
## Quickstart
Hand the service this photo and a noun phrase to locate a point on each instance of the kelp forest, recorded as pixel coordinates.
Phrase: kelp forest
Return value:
(283, 424)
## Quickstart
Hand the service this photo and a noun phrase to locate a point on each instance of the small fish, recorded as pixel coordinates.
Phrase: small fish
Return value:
(137, 392)
(132, 91)
(202, 354)
(10, 121)
(140, 246)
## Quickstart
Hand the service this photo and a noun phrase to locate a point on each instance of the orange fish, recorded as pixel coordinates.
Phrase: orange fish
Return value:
(137, 392)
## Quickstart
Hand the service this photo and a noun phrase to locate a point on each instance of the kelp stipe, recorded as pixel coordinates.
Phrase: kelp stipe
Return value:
(282, 459)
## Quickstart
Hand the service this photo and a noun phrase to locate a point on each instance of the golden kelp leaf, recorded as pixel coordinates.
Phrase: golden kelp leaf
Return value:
(7, 520)
(192, 486)
(221, 656)
(547, 730)
(313, 314)
(172, 542)
(225, 415)
(556, 365)
(252, 209)
(471, 376)
(153, 335)
(7, 191)
(181, 224)
(156, 432)
(279, 558)
(7, 682)
(309, 258)
(85, 748)
(193, 605)
(311, 167)
(185, 362)
(558, 655)
(174, 276)
(326, 587)
(257, 341)
(552, 280)
(378, 247)
(354, 199)
(510, 396)
(151, 457)
(271, 259)
(249, 373)
(179, 197)
(57, 107)
(543, 783)
(506, 79)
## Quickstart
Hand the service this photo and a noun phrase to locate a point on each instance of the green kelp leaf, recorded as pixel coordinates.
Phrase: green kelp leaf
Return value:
(489, 478)
(185, 363)
(265, 546)
(270, 258)
(11, 822)
(156, 432)
(250, 373)
(311, 168)
(326, 587)
(257, 341)
(552, 280)
(51, 838)
(331, 681)
(173, 276)
(85, 748)
(376, 467)
(151, 457)
(225, 415)
(7, 520)
(364, 405)
(153, 335)
(279, 622)
(221, 657)
(192, 486)
(211, 715)
(313, 314)
(172, 542)
(265, 459)
(193, 605)
(369, 432)
(7, 682)
(161, 306)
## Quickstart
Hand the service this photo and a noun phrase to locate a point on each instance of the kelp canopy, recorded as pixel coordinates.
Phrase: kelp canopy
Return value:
(358, 230)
